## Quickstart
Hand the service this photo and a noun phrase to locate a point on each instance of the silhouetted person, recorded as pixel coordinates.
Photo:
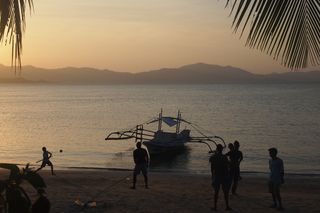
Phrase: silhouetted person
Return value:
(42, 204)
(46, 159)
(141, 160)
(276, 178)
(235, 156)
(238, 158)
(220, 176)
(232, 167)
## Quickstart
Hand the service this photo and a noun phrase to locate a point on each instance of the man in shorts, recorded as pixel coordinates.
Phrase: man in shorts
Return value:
(141, 160)
(220, 176)
(46, 160)
(276, 178)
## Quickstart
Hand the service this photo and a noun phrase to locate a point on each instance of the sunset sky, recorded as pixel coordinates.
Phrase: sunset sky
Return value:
(135, 36)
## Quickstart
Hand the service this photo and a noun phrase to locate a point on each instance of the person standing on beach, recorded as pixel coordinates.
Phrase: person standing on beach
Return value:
(232, 168)
(276, 178)
(46, 160)
(235, 156)
(141, 160)
(220, 176)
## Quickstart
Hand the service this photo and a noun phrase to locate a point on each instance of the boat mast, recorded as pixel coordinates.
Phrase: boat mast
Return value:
(160, 121)
(178, 122)
(139, 133)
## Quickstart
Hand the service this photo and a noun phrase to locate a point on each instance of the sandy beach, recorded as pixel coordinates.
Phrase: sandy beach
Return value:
(168, 192)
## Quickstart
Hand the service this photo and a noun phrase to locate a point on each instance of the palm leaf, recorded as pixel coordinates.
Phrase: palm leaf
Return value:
(12, 25)
(285, 29)
(34, 179)
(14, 170)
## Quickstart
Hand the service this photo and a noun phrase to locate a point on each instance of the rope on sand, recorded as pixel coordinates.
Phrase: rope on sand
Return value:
(92, 202)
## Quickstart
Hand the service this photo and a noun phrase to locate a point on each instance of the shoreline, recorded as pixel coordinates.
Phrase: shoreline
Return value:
(169, 192)
(250, 173)
(155, 170)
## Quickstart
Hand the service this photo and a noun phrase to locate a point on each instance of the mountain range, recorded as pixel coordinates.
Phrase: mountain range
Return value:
(199, 73)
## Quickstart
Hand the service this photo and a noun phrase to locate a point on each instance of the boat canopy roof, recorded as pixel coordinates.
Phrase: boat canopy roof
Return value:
(170, 121)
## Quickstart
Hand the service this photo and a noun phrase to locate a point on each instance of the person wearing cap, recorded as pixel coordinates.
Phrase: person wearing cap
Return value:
(220, 176)
(276, 178)
(42, 204)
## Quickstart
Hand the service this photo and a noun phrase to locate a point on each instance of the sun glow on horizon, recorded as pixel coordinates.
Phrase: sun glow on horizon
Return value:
(134, 37)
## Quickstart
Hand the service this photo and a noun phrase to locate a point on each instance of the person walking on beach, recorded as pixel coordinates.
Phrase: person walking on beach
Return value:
(220, 176)
(141, 160)
(276, 178)
(46, 160)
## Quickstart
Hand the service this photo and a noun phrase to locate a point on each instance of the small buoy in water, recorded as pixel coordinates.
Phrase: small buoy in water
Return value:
(61, 150)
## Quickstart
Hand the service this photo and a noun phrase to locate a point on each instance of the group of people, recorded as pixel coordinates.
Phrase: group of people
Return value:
(225, 171)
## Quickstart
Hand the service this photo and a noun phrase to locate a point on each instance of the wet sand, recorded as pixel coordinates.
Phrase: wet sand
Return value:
(169, 192)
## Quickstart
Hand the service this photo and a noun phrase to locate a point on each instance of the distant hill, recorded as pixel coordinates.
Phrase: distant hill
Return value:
(199, 73)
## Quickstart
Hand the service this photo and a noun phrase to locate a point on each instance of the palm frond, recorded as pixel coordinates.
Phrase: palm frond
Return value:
(12, 25)
(14, 170)
(34, 179)
(285, 29)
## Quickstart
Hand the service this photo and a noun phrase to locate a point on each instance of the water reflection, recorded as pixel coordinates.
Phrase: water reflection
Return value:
(178, 159)
(259, 116)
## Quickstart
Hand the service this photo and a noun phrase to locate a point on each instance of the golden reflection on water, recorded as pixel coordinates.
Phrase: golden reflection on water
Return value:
(76, 119)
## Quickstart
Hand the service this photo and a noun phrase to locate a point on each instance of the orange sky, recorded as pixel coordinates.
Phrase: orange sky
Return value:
(135, 36)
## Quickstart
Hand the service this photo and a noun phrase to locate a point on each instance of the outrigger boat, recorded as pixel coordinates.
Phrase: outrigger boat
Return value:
(160, 141)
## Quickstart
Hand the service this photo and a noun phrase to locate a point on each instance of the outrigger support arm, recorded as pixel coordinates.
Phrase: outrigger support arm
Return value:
(129, 134)
(207, 140)
(224, 143)
(200, 141)
(120, 135)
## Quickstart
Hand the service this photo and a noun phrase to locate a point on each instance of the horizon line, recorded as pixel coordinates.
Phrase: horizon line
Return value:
(158, 69)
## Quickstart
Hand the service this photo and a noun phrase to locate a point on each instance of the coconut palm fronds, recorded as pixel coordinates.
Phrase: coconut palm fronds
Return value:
(12, 25)
(288, 30)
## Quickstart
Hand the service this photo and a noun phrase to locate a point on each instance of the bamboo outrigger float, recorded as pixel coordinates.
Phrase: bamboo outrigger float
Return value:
(160, 141)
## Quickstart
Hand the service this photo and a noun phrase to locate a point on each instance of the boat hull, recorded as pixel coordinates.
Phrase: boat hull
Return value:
(155, 148)
(167, 142)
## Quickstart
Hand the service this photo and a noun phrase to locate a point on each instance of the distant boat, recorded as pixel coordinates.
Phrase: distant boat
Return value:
(161, 142)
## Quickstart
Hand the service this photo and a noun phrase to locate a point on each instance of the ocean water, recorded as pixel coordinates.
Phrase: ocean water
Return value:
(76, 119)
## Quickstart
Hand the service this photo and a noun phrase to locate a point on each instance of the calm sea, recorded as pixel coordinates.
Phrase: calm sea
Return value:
(76, 119)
